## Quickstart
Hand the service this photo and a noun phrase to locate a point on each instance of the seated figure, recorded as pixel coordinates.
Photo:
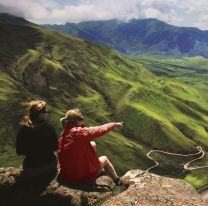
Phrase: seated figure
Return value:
(77, 153)
(37, 141)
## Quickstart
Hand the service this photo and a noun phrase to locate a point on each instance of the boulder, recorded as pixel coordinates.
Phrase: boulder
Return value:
(148, 189)
(17, 189)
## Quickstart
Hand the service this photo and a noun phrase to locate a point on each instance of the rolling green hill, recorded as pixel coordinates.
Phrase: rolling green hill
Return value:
(194, 72)
(67, 72)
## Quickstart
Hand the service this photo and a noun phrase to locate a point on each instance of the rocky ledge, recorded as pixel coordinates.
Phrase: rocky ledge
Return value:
(145, 189)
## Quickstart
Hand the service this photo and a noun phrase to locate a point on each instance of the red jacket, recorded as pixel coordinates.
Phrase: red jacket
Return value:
(78, 159)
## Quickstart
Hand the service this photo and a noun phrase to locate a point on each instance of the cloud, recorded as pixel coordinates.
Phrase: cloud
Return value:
(202, 22)
(193, 6)
(28, 9)
(9, 9)
(50, 11)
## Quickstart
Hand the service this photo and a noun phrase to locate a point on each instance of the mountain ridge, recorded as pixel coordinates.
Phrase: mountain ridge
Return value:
(141, 36)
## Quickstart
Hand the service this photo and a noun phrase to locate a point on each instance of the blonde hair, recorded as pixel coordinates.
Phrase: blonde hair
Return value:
(72, 116)
(34, 108)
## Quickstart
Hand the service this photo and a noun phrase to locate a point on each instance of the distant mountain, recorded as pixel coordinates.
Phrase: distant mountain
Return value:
(68, 72)
(142, 36)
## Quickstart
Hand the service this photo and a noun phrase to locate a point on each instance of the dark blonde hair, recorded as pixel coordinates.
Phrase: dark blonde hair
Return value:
(34, 109)
(72, 116)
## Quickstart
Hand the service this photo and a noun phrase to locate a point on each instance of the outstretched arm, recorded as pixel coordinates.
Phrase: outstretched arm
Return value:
(89, 133)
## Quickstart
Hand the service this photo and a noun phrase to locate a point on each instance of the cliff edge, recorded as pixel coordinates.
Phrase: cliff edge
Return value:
(145, 189)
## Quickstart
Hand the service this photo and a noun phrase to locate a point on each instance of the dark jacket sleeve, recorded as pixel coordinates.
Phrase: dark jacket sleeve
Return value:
(20, 147)
(53, 138)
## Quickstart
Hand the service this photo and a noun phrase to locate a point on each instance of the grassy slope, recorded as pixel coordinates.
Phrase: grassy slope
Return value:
(69, 72)
(194, 72)
(64, 71)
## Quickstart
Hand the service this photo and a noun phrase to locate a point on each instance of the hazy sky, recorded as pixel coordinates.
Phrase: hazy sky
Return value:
(192, 13)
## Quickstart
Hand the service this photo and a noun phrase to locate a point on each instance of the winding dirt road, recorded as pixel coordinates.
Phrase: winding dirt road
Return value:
(186, 165)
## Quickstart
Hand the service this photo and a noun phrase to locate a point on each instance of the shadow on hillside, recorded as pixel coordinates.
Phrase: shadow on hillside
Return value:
(16, 40)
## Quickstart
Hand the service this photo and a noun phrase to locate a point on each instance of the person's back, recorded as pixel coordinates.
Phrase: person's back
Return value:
(37, 140)
(37, 144)
(78, 159)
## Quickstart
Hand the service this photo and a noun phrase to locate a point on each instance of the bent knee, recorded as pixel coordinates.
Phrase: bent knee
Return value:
(93, 143)
(104, 159)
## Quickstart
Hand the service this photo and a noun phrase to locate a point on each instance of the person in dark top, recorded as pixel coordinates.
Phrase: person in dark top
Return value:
(37, 140)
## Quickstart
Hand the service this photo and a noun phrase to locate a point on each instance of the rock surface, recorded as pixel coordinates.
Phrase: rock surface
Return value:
(16, 189)
(145, 189)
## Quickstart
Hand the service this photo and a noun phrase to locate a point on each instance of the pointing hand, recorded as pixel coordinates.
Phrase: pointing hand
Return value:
(118, 124)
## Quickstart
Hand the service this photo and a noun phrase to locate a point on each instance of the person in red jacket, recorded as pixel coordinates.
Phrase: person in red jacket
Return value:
(77, 153)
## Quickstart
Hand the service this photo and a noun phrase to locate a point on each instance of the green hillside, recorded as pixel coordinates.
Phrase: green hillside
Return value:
(193, 71)
(158, 112)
